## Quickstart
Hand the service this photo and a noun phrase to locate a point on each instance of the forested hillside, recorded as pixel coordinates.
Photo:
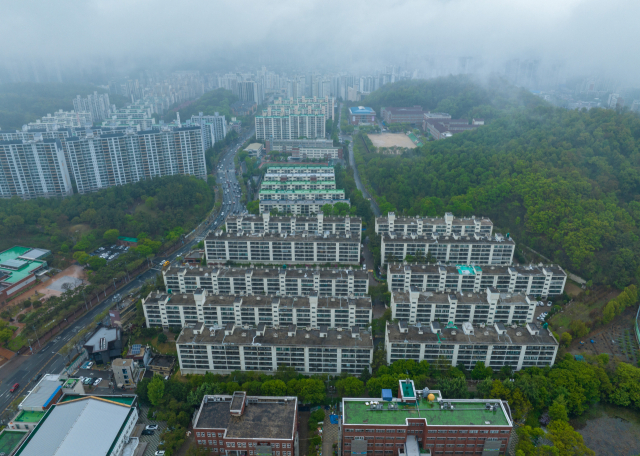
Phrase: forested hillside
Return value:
(217, 100)
(21, 103)
(154, 207)
(565, 183)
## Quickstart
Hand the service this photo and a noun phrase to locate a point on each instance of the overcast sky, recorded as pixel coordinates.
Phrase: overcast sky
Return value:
(581, 35)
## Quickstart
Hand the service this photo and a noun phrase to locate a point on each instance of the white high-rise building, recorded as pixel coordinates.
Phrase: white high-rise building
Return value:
(33, 169)
(98, 105)
(214, 128)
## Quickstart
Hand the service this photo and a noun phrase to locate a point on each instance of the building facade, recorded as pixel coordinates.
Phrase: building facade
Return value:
(297, 185)
(270, 224)
(178, 310)
(33, 169)
(412, 115)
(535, 280)
(309, 351)
(98, 105)
(441, 226)
(440, 427)
(293, 195)
(361, 115)
(66, 119)
(126, 372)
(283, 177)
(456, 249)
(236, 425)
(267, 281)
(282, 248)
(488, 307)
(297, 207)
(496, 345)
(217, 124)
(277, 125)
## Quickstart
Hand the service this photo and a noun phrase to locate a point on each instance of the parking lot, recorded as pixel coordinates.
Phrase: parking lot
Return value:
(542, 310)
(152, 440)
(109, 253)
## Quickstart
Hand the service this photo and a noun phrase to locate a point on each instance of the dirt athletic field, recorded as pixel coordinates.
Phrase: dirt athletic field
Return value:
(392, 140)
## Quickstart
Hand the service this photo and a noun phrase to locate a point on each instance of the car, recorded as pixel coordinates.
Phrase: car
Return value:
(89, 365)
(97, 382)
(14, 388)
(159, 453)
(151, 427)
(147, 432)
(88, 381)
(549, 304)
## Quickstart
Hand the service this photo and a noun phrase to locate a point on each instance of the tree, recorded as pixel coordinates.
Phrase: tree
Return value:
(484, 388)
(453, 388)
(558, 410)
(111, 236)
(350, 387)
(480, 372)
(565, 339)
(579, 328)
(162, 338)
(273, 388)
(567, 440)
(155, 390)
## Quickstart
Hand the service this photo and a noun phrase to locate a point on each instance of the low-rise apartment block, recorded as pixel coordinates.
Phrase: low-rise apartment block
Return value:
(297, 185)
(496, 345)
(440, 226)
(320, 223)
(274, 281)
(126, 372)
(204, 349)
(161, 309)
(457, 249)
(301, 169)
(423, 423)
(283, 177)
(298, 206)
(242, 425)
(282, 248)
(487, 307)
(535, 280)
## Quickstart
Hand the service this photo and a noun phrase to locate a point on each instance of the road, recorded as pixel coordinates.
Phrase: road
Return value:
(23, 369)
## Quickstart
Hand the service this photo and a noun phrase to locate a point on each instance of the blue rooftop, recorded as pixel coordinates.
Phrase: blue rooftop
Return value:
(361, 110)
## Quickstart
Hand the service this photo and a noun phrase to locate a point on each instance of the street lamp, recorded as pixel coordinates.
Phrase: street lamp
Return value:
(36, 332)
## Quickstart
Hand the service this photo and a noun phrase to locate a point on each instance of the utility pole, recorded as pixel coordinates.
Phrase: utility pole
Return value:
(36, 332)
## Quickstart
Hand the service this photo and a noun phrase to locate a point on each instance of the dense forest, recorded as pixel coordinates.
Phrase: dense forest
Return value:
(218, 100)
(565, 183)
(21, 103)
(153, 207)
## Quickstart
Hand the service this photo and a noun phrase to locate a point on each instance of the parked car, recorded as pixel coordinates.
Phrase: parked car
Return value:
(88, 381)
(151, 427)
(147, 432)
(14, 388)
(97, 382)
(159, 453)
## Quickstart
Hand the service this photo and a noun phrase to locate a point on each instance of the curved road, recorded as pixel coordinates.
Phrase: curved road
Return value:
(23, 369)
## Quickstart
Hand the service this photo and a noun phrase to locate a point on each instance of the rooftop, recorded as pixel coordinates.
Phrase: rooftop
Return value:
(9, 440)
(521, 270)
(264, 272)
(162, 361)
(73, 426)
(101, 338)
(16, 263)
(29, 417)
(464, 413)
(308, 202)
(42, 394)
(361, 110)
(263, 418)
(254, 146)
(279, 237)
(446, 239)
(291, 336)
(127, 239)
(435, 220)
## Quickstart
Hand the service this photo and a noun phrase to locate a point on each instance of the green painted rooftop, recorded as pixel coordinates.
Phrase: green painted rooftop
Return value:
(463, 414)
(29, 417)
(327, 190)
(9, 440)
(127, 400)
(127, 239)
(27, 268)
(407, 389)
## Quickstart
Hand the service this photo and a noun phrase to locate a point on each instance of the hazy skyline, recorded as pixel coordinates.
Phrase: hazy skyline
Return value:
(577, 37)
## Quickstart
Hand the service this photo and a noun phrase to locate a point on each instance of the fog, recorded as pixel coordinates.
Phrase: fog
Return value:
(566, 38)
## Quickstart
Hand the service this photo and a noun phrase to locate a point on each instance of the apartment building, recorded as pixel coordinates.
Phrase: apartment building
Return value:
(361, 115)
(101, 161)
(536, 280)
(301, 170)
(214, 128)
(297, 207)
(290, 281)
(325, 105)
(67, 119)
(98, 105)
(298, 185)
(309, 351)
(268, 223)
(284, 248)
(161, 309)
(457, 249)
(305, 148)
(489, 306)
(413, 115)
(423, 423)
(126, 372)
(441, 226)
(289, 195)
(241, 425)
(132, 115)
(33, 169)
(250, 91)
(496, 345)
(278, 125)
(283, 177)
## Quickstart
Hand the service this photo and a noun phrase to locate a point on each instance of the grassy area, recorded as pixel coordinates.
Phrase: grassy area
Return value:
(584, 308)
(17, 342)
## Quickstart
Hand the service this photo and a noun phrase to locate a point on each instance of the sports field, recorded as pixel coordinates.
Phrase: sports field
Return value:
(392, 140)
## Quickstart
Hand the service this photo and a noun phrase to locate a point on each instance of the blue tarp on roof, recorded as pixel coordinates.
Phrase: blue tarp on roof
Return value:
(387, 395)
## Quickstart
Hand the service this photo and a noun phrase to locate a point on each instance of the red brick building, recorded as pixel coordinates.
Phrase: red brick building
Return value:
(422, 423)
(242, 425)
